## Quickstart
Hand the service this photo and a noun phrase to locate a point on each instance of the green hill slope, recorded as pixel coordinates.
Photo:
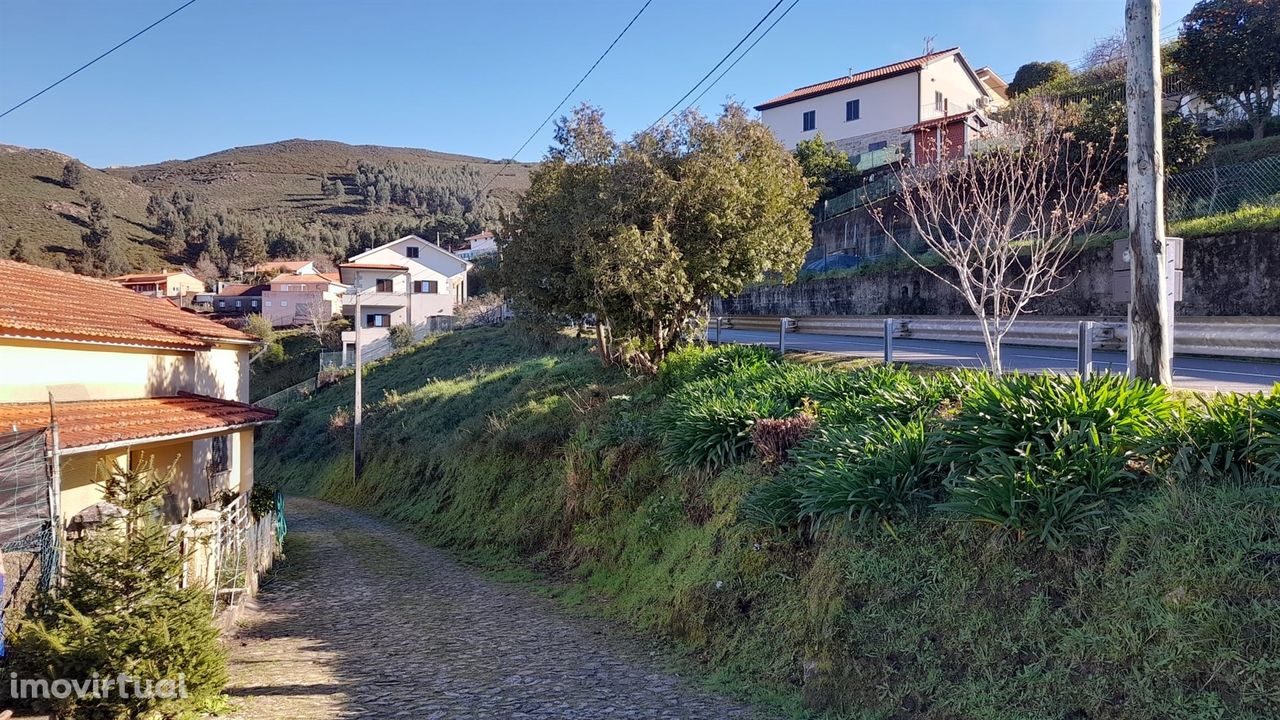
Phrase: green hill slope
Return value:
(275, 187)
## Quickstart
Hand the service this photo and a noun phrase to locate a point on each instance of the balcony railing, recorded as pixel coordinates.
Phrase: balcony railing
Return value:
(873, 159)
(856, 198)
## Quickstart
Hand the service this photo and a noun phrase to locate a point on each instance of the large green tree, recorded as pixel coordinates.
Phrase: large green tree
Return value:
(642, 234)
(1229, 52)
(104, 253)
(827, 168)
(1034, 74)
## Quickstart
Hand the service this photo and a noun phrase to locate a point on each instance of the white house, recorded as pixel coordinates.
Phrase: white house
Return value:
(478, 245)
(868, 114)
(407, 281)
(298, 298)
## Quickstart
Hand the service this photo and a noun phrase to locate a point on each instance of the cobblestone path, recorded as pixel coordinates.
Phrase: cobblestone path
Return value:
(366, 622)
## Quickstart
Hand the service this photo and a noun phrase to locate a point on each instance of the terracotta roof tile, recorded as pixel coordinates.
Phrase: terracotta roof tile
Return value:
(99, 422)
(242, 290)
(317, 279)
(146, 277)
(280, 266)
(866, 76)
(371, 266)
(38, 302)
(940, 120)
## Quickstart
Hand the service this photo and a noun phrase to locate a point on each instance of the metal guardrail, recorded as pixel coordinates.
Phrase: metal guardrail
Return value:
(1212, 336)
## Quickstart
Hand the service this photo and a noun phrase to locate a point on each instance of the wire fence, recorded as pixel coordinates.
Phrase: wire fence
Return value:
(1224, 189)
(28, 535)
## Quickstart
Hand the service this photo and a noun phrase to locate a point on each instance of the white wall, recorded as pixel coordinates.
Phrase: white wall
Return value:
(884, 105)
(948, 76)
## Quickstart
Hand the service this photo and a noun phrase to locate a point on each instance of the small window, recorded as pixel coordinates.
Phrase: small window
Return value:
(253, 303)
(220, 454)
(852, 110)
(426, 286)
(222, 303)
(383, 285)
(877, 146)
(810, 120)
(411, 251)
(284, 303)
(377, 320)
(238, 303)
(938, 102)
(268, 303)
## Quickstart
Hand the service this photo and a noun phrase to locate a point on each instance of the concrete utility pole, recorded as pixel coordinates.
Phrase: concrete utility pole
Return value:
(357, 450)
(1150, 311)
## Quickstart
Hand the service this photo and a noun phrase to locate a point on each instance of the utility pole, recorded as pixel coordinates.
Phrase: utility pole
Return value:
(1150, 307)
(357, 426)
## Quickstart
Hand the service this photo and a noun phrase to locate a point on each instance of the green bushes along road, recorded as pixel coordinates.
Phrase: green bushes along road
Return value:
(870, 543)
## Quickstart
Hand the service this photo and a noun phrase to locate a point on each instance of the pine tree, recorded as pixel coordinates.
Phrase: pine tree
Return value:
(122, 610)
(72, 173)
(104, 252)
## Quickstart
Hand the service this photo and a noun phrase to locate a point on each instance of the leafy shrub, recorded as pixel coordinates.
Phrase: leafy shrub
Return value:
(1056, 488)
(696, 362)
(775, 505)
(712, 432)
(260, 327)
(122, 610)
(1221, 438)
(400, 336)
(773, 438)
(1019, 414)
(892, 391)
(861, 476)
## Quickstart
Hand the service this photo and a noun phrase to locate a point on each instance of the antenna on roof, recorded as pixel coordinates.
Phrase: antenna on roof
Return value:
(928, 44)
(850, 72)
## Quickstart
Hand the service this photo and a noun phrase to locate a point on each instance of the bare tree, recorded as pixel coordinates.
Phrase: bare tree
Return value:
(1007, 221)
(1105, 59)
(316, 317)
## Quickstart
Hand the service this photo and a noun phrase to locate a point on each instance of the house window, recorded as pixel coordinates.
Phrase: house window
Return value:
(268, 303)
(253, 304)
(382, 285)
(377, 320)
(877, 146)
(852, 110)
(284, 303)
(222, 303)
(810, 120)
(220, 455)
(411, 252)
(426, 286)
(938, 102)
(238, 303)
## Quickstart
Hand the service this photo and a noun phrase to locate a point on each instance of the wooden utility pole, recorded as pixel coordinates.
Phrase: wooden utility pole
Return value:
(1150, 306)
(357, 425)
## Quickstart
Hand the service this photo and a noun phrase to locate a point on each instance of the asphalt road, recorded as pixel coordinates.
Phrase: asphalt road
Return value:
(1190, 373)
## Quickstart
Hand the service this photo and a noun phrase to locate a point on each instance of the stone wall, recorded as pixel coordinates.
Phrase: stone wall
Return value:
(1228, 275)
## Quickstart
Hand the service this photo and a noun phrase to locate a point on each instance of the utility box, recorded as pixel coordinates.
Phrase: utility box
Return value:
(1121, 274)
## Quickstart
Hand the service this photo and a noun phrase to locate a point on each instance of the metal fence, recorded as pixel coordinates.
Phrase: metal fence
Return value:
(1215, 190)
(277, 400)
(28, 532)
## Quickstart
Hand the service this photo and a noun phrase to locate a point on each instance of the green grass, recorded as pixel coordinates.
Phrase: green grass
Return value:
(1242, 152)
(301, 362)
(531, 459)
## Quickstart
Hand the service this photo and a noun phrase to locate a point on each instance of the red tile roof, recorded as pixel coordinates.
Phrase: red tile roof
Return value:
(862, 78)
(318, 279)
(479, 236)
(242, 290)
(370, 266)
(37, 302)
(92, 423)
(280, 266)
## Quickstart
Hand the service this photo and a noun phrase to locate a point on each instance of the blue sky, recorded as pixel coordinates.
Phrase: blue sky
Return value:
(467, 76)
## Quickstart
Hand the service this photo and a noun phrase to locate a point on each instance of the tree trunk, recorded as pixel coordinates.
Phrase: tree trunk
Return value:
(1259, 123)
(602, 344)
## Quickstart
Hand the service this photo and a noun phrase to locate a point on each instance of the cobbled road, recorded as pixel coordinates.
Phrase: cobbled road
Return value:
(364, 621)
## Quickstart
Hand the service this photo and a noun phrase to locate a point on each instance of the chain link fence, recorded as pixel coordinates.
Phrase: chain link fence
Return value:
(28, 539)
(1216, 190)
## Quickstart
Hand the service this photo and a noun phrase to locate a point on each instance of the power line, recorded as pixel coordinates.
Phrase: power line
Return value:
(71, 74)
(565, 99)
(744, 54)
(717, 65)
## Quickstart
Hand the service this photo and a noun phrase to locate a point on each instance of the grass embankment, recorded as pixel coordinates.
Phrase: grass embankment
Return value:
(1129, 574)
(299, 362)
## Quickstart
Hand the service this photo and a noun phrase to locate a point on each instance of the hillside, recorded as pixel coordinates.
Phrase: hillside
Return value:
(50, 218)
(285, 176)
(274, 187)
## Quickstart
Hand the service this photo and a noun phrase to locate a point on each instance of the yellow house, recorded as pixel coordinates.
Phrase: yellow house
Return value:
(169, 283)
(125, 375)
